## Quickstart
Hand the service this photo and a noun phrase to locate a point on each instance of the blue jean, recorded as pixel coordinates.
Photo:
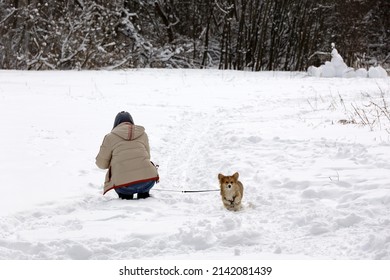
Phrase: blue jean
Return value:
(136, 188)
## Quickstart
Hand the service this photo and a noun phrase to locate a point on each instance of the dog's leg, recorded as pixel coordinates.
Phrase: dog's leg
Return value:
(237, 203)
(229, 204)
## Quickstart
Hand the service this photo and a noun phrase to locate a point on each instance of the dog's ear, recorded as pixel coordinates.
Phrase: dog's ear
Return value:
(220, 176)
(235, 176)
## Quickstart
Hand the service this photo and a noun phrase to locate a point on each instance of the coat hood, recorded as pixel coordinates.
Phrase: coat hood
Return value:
(128, 131)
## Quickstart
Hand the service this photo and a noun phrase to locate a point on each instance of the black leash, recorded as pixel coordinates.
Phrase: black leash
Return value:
(200, 191)
(196, 191)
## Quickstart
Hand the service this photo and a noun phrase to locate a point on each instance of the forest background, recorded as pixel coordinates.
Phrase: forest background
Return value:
(252, 35)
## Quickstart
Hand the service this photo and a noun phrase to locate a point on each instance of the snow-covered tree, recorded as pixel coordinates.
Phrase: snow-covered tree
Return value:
(229, 34)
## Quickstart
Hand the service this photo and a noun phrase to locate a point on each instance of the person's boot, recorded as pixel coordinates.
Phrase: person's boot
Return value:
(126, 196)
(143, 195)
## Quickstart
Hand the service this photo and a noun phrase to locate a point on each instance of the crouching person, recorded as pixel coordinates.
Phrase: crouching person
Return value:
(125, 152)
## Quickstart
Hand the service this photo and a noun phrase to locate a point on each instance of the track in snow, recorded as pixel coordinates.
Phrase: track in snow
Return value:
(313, 188)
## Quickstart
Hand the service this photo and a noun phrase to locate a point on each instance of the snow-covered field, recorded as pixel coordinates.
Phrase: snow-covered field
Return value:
(314, 188)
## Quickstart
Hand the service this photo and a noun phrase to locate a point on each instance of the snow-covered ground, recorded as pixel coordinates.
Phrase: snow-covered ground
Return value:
(314, 188)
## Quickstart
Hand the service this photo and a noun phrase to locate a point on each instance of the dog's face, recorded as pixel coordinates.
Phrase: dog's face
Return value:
(228, 182)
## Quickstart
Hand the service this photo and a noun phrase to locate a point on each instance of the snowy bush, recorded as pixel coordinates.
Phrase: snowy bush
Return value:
(377, 72)
(337, 68)
(361, 73)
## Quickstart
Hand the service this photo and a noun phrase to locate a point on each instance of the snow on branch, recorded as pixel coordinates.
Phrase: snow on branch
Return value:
(223, 10)
(8, 16)
(318, 53)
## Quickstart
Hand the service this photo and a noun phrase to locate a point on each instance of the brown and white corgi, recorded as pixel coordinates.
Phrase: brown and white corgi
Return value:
(232, 191)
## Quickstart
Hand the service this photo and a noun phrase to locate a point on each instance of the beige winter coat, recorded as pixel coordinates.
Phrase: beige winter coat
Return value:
(125, 152)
